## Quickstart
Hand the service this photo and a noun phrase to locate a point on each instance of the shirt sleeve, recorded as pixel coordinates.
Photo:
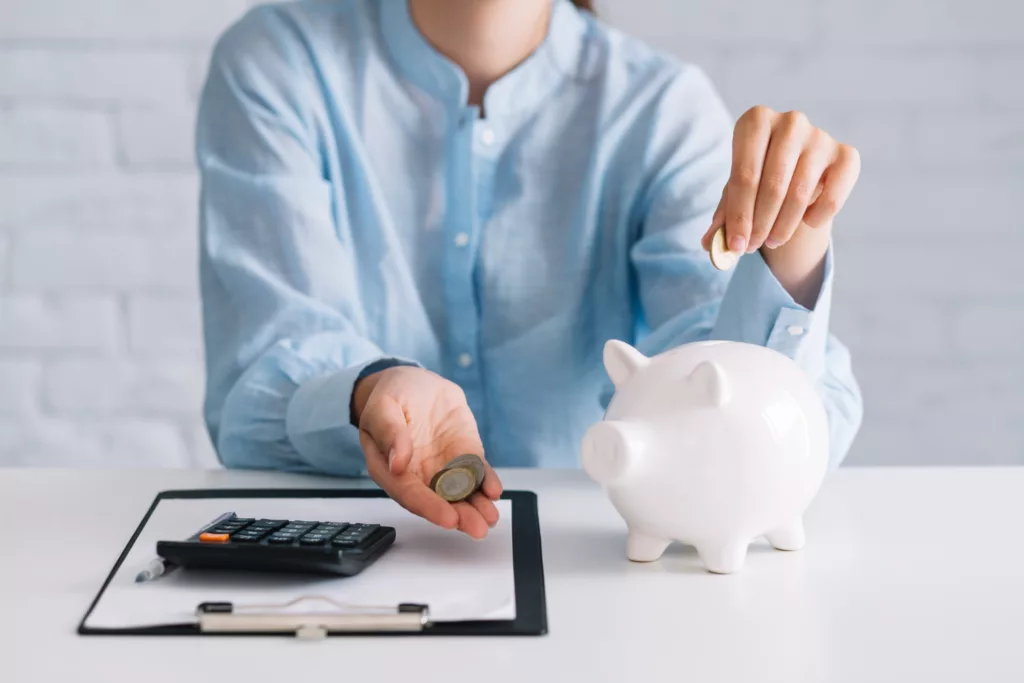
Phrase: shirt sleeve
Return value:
(684, 298)
(285, 336)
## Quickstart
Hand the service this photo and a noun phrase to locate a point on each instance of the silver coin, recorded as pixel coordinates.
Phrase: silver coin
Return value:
(473, 462)
(460, 478)
(455, 484)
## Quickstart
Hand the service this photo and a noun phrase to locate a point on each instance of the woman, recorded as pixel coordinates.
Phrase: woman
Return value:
(422, 220)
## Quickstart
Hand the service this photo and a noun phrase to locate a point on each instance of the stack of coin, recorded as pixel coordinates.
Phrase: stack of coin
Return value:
(721, 257)
(459, 479)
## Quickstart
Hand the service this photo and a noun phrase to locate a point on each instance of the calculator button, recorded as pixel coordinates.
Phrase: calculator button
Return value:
(213, 538)
(344, 542)
(269, 524)
(312, 540)
(241, 520)
(227, 529)
(361, 532)
(278, 539)
(245, 538)
(250, 533)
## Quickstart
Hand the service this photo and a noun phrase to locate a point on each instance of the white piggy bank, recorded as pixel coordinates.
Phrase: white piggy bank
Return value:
(711, 444)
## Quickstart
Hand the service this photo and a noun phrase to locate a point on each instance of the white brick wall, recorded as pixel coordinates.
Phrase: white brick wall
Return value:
(20, 382)
(100, 354)
(164, 325)
(69, 322)
(136, 22)
(94, 203)
(122, 442)
(35, 137)
(95, 76)
(115, 388)
(115, 260)
(100, 348)
(156, 138)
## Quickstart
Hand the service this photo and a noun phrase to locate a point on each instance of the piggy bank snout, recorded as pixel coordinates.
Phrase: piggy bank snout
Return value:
(612, 450)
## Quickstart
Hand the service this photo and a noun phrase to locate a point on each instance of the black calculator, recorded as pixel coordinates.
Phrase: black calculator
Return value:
(280, 545)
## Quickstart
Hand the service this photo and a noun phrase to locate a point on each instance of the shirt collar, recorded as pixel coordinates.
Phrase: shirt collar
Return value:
(557, 57)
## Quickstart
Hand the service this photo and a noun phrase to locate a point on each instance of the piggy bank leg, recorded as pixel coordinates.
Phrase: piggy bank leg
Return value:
(788, 537)
(723, 558)
(643, 548)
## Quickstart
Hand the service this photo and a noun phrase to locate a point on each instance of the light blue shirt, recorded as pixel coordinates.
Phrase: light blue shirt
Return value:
(357, 212)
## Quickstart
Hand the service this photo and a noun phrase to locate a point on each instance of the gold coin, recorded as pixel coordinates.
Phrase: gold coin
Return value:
(459, 478)
(454, 484)
(721, 257)
(473, 462)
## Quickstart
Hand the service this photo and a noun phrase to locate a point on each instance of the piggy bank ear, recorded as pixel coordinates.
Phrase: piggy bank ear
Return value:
(709, 382)
(621, 360)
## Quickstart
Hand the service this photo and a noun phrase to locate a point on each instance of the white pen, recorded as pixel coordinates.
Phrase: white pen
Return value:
(155, 569)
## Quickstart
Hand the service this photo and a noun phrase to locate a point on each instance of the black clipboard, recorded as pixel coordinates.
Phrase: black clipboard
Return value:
(527, 567)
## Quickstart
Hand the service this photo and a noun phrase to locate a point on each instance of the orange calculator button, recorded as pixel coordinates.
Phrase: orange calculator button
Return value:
(214, 538)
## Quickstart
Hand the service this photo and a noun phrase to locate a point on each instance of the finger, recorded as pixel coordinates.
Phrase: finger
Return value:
(384, 421)
(840, 178)
(716, 220)
(491, 485)
(417, 498)
(750, 143)
(471, 521)
(787, 143)
(407, 490)
(782, 233)
(486, 507)
(801, 191)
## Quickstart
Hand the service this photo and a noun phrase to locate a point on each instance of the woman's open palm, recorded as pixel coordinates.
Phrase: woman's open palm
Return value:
(411, 423)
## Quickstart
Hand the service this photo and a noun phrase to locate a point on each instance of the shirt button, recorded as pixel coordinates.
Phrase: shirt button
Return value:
(487, 136)
(465, 360)
(461, 240)
(795, 330)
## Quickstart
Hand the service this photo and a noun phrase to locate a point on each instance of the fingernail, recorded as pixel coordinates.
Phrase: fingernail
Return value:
(391, 458)
(737, 243)
(771, 243)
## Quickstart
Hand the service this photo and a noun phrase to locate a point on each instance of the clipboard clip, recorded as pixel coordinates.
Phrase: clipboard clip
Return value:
(227, 617)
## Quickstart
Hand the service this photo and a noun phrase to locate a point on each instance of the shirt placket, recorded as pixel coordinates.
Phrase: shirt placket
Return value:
(468, 195)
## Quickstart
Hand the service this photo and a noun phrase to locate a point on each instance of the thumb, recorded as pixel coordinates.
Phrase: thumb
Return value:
(385, 423)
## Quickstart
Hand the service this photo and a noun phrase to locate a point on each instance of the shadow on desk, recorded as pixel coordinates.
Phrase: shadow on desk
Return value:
(603, 551)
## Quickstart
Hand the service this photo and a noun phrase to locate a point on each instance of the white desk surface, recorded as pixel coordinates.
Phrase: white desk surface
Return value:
(909, 575)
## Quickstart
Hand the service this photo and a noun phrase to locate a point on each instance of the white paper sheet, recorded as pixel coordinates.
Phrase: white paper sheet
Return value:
(457, 577)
